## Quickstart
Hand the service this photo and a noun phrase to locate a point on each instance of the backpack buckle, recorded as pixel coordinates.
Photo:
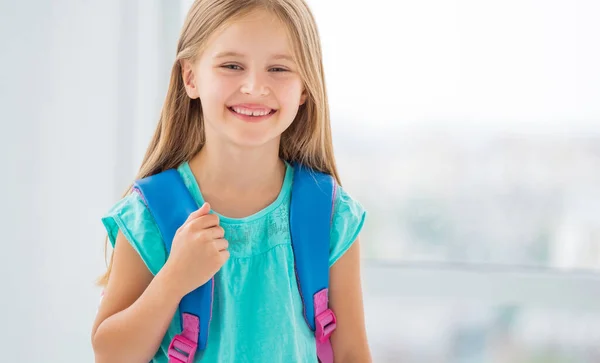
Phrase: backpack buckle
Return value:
(325, 325)
(182, 350)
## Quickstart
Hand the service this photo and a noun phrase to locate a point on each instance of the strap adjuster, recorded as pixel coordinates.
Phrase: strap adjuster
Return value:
(182, 350)
(325, 325)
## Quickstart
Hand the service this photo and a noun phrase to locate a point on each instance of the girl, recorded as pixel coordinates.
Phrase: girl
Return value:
(246, 100)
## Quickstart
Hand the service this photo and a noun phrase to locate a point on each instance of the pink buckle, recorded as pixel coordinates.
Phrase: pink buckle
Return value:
(182, 350)
(325, 325)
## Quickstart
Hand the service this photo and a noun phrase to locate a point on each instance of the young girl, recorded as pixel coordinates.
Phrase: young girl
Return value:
(246, 100)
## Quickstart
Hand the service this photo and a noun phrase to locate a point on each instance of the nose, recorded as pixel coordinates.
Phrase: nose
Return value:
(254, 84)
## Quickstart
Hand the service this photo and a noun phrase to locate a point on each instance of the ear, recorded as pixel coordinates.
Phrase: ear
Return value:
(189, 81)
(303, 97)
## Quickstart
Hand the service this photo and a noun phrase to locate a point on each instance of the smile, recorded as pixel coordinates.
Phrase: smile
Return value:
(252, 114)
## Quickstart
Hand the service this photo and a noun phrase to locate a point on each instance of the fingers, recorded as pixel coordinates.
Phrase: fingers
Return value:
(205, 222)
(202, 211)
(221, 244)
(224, 254)
(200, 219)
(216, 232)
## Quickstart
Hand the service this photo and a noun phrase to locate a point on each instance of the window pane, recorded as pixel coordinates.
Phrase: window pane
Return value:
(470, 130)
(526, 199)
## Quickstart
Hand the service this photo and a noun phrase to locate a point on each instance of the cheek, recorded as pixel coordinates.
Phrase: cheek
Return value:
(214, 91)
(290, 93)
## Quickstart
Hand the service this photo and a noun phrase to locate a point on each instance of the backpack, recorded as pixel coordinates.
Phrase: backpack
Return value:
(311, 213)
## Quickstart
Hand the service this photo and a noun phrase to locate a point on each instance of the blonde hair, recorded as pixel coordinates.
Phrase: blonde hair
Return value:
(180, 135)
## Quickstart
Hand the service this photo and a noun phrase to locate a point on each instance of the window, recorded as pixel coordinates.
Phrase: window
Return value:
(471, 133)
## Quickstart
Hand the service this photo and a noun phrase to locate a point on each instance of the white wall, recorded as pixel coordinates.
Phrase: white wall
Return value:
(77, 78)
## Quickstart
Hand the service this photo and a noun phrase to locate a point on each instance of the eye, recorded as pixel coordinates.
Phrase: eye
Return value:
(233, 67)
(278, 69)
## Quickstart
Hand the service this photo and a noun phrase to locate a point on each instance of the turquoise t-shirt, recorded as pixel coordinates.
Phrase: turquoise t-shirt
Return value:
(257, 309)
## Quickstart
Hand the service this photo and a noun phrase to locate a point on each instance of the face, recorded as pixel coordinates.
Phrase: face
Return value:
(247, 81)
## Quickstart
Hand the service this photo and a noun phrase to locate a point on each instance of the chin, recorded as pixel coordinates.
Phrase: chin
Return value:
(251, 134)
(255, 139)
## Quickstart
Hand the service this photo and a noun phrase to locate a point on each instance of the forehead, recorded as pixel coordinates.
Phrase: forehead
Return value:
(258, 33)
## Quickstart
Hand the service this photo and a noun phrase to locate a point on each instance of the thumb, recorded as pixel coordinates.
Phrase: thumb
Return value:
(200, 212)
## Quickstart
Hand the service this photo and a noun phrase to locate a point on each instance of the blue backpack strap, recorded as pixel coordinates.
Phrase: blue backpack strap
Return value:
(170, 204)
(311, 212)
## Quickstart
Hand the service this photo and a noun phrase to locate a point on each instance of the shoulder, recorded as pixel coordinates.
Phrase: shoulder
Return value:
(131, 216)
(349, 217)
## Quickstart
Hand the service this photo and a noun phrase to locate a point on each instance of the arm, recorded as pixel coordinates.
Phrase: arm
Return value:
(349, 340)
(135, 311)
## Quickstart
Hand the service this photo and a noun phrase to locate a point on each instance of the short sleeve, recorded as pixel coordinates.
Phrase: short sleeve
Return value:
(348, 219)
(132, 217)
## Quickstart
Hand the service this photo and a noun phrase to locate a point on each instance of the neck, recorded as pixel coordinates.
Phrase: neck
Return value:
(237, 170)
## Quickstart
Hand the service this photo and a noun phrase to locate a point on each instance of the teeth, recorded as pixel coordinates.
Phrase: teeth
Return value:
(245, 111)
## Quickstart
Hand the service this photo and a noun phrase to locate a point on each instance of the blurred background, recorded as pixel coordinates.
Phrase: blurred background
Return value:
(470, 131)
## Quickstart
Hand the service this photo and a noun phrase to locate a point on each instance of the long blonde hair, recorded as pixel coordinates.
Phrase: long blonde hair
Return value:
(179, 134)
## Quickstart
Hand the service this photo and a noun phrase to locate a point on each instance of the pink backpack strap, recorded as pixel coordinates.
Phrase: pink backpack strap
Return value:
(325, 325)
(184, 345)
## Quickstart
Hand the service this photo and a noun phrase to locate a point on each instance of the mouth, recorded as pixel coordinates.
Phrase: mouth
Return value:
(252, 114)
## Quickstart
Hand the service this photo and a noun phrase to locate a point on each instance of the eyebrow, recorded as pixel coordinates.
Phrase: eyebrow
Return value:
(239, 55)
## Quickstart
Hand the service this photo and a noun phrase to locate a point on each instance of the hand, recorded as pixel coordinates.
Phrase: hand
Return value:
(198, 251)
